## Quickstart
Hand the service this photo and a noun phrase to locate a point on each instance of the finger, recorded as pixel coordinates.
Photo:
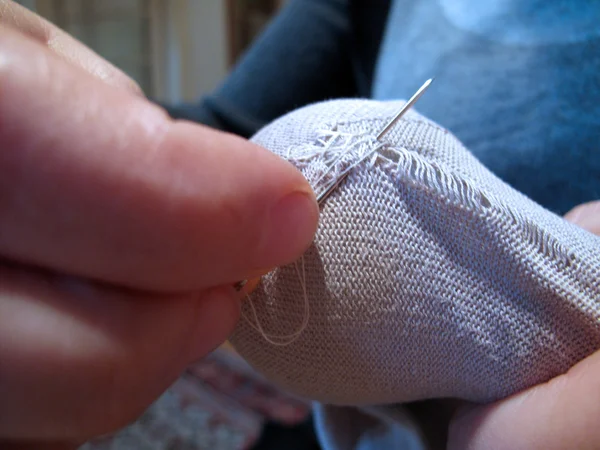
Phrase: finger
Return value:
(562, 413)
(587, 216)
(25, 21)
(79, 360)
(101, 184)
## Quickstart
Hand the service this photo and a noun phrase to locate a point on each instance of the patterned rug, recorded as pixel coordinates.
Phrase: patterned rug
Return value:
(218, 403)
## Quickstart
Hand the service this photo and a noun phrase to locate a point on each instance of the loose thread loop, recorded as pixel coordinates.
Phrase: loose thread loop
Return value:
(282, 340)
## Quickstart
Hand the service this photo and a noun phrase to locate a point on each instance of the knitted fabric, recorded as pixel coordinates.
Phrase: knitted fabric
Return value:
(428, 278)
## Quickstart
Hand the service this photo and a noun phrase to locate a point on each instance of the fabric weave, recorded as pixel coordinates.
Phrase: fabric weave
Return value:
(429, 277)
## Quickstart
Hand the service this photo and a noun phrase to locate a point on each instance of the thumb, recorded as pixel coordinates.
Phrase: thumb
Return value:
(561, 413)
(99, 183)
(587, 216)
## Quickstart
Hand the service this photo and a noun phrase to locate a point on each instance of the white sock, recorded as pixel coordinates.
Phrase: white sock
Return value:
(429, 277)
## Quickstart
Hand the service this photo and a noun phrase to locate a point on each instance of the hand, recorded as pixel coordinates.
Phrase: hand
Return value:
(121, 232)
(563, 413)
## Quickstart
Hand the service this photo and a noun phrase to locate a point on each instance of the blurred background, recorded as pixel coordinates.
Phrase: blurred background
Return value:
(177, 50)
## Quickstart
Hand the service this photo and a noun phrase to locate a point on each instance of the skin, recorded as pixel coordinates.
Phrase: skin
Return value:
(560, 414)
(121, 232)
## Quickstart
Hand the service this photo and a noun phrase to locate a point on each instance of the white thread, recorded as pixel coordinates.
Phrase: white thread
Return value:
(324, 162)
(327, 160)
(282, 340)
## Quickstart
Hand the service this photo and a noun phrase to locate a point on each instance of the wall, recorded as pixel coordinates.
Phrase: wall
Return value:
(189, 47)
(175, 49)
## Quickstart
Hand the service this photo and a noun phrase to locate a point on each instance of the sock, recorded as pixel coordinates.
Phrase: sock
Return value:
(429, 277)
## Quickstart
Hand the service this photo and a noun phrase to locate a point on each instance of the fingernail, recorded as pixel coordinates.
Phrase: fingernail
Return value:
(291, 228)
(250, 287)
(574, 216)
(586, 216)
(255, 274)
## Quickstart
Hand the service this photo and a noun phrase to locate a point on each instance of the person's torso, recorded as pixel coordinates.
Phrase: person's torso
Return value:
(518, 81)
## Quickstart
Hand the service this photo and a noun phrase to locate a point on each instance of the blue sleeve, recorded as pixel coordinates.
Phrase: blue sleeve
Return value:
(304, 56)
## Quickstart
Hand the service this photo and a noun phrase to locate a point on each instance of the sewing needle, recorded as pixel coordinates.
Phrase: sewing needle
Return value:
(323, 195)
